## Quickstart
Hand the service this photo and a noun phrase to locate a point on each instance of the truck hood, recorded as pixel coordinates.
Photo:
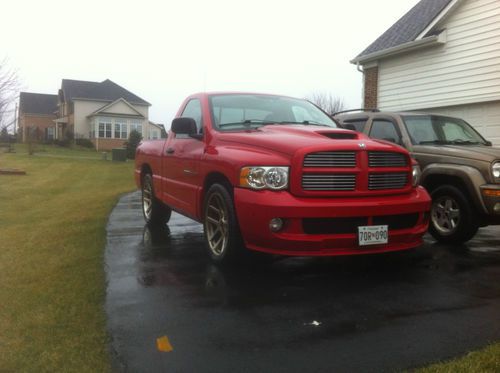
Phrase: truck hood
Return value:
(288, 139)
(480, 153)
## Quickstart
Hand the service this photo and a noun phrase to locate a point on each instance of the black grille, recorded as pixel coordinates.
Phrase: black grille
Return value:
(350, 225)
(330, 159)
(333, 225)
(396, 221)
(394, 180)
(387, 159)
(329, 182)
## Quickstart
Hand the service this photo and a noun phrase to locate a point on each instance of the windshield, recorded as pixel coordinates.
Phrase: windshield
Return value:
(431, 129)
(243, 111)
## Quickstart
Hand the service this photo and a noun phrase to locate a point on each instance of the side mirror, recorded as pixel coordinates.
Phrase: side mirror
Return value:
(489, 143)
(184, 126)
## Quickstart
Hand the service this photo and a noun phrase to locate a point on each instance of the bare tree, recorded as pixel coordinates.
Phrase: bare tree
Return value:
(326, 101)
(9, 89)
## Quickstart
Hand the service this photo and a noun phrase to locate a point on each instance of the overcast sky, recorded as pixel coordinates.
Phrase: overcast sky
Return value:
(164, 50)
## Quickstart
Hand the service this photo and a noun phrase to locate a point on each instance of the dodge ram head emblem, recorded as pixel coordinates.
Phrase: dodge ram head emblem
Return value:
(362, 145)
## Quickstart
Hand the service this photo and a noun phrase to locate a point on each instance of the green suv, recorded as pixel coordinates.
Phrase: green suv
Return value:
(460, 169)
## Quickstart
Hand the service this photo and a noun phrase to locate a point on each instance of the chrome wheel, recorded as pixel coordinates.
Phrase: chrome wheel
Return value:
(445, 215)
(216, 224)
(147, 197)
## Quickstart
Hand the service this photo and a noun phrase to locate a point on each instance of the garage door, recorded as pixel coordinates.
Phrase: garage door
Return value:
(485, 117)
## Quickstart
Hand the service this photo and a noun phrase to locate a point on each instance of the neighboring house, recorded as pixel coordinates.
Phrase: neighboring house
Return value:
(443, 57)
(156, 131)
(103, 112)
(37, 112)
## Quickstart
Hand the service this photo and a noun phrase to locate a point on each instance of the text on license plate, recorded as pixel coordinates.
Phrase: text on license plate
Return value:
(373, 235)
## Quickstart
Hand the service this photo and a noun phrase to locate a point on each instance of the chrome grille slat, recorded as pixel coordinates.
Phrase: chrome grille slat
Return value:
(339, 181)
(387, 159)
(329, 182)
(330, 159)
(387, 181)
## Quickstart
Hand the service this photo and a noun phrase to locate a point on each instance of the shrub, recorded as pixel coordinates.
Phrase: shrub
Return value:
(4, 135)
(86, 143)
(131, 145)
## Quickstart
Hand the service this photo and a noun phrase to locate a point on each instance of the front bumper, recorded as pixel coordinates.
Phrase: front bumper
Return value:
(256, 208)
(491, 199)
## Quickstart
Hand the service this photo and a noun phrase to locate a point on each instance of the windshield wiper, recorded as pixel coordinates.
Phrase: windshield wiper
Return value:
(263, 122)
(304, 122)
(464, 142)
(246, 123)
(434, 142)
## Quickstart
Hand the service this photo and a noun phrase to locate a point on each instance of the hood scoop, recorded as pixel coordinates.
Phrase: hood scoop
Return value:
(340, 135)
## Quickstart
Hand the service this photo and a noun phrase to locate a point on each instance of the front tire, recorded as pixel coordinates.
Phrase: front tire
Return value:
(220, 226)
(453, 219)
(155, 212)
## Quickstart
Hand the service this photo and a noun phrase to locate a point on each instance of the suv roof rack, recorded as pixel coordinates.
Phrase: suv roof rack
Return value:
(373, 110)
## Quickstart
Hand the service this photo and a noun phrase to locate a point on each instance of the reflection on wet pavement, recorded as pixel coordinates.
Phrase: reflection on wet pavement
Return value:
(375, 313)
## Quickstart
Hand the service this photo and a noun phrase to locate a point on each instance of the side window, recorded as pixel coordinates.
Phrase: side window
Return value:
(355, 124)
(385, 130)
(453, 131)
(193, 110)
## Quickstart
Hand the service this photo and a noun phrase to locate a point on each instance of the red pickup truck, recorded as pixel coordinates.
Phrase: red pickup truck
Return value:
(276, 174)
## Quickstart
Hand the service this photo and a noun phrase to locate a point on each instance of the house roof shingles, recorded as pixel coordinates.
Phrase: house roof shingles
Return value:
(105, 90)
(38, 103)
(408, 27)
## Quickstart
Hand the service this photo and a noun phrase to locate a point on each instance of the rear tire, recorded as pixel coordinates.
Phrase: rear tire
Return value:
(221, 230)
(154, 211)
(453, 219)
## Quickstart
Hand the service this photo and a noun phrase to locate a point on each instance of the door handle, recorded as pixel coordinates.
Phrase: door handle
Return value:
(170, 151)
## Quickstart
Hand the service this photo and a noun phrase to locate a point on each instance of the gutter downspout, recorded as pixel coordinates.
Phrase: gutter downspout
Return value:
(359, 68)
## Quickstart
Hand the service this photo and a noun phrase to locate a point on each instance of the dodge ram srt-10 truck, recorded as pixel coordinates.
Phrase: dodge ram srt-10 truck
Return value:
(277, 175)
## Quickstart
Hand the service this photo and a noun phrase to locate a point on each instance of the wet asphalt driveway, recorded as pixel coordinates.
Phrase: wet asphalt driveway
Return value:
(368, 313)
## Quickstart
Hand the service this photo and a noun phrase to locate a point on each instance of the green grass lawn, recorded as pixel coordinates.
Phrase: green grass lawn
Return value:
(52, 239)
(52, 282)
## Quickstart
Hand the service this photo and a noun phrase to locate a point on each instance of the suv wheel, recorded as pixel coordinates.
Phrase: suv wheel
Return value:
(452, 217)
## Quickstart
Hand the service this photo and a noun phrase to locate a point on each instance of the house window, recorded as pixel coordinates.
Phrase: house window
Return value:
(50, 133)
(105, 128)
(136, 126)
(120, 129)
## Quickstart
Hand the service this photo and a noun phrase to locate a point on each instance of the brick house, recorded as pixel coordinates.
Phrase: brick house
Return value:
(37, 112)
(103, 112)
(442, 57)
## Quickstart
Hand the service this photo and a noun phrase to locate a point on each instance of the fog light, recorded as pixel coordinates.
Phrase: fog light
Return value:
(276, 224)
(496, 208)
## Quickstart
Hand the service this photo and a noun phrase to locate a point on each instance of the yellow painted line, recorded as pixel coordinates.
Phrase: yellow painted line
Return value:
(163, 344)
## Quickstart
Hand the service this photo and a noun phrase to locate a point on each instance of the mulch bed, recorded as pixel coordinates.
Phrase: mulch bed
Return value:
(11, 171)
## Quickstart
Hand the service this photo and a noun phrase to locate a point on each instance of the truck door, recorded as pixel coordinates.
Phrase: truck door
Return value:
(182, 182)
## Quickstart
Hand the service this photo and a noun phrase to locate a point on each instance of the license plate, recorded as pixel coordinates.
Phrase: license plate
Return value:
(373, 235)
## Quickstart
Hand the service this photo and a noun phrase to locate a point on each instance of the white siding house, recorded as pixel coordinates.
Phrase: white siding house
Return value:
(449, 63)
(103, 112)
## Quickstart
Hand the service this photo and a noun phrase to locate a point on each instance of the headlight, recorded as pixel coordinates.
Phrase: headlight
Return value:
(495, 169)
(262, 177)
(415, 175)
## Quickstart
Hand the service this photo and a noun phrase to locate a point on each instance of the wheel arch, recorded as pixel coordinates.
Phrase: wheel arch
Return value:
(211, 179)
(466, 178)
(145, 169)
